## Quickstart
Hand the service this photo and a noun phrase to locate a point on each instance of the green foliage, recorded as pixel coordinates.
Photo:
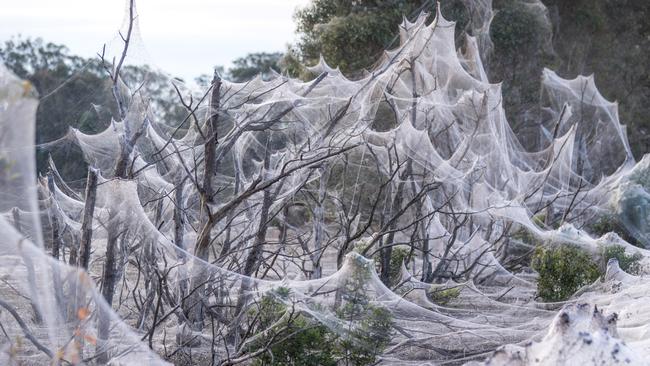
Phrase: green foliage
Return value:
(522, 234)
(562, 271)
(443, 296)
(75, 92)
(159, 92)
(609, 39)
(361, 245)
(587, 14)
(628, 263)
(515, 29)
(350, 34)
(246, 68)
(295, 339)
(372, 333)
(608, 223)
(540, 219)
(398, 256)
(369, 327)
(68, 87)
(565, 269)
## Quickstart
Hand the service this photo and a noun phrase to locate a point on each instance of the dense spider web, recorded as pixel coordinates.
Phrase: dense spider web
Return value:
(313, 181)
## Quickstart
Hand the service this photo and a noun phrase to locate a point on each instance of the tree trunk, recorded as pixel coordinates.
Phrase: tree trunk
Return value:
(86, 222)
(319, 223)
(194, 305)
(54, 219)
(387, 245)
(109, 277)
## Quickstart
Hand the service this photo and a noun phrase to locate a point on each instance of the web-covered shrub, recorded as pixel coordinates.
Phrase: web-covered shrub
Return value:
(562, 271)
(289, 338)
(286, 336)
(629, 263)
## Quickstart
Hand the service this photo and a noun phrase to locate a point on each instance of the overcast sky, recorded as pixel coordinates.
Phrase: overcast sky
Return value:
(183, 37)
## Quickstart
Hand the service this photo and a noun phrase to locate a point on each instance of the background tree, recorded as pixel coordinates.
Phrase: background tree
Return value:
(610, 40)
(351, 34)
(72, 90)
(253, 64)
(74, 93)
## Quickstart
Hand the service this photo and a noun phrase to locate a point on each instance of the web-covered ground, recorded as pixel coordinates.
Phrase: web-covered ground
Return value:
(303, 191)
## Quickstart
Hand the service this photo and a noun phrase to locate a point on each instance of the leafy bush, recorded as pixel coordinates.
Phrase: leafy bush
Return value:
(565, 269)
(292, 339)
(628, 263)
(295, 339)
(369, 326)
(562, 271)
(368, 338)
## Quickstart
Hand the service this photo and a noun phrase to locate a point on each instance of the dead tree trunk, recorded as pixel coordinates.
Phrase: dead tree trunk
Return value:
(227, 242)
(86, 222)
(109, 278)
(57, 243)
(194, 305)
(319, 223)
(387, 245)
(15, 213)
(179, 215)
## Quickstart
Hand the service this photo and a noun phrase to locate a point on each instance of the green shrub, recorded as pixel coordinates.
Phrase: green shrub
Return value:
(369, 326)
(628, 263)
(368, 338)
(443, 296)
(562, 271)
(296, 339)
(519, 251)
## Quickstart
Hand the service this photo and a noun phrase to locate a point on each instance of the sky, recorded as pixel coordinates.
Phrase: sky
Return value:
(185, 38)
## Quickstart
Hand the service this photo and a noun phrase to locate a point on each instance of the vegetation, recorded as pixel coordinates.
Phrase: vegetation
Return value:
(562, 271)
(443, 296)
(398, 256)
(75, 93)
(369, 327)
(253, 64)
(607, 224)
(607, 38)
(291, 338)
(79, 84)
(629, 263)
(514, 29)
(351, 35)
(566, 268)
